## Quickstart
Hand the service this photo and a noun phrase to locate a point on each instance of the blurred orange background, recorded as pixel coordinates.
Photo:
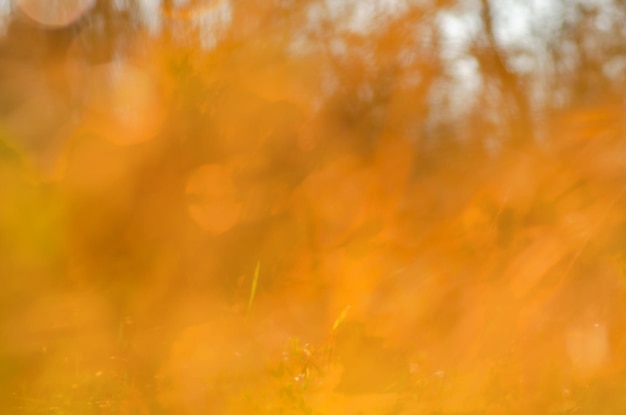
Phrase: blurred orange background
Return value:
(431, 194)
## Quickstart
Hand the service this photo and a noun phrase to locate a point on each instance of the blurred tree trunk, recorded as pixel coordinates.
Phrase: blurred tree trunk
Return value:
(494, 59)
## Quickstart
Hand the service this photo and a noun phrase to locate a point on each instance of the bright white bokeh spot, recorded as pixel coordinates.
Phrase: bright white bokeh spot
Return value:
(150, 14)
(212, 22)
(458, 31)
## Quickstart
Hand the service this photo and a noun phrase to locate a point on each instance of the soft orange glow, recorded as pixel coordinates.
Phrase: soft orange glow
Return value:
(125, 103)
(213, 198)
(312, 207)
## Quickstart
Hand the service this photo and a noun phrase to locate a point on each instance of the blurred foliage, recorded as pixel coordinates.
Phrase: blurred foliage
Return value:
(312, 207)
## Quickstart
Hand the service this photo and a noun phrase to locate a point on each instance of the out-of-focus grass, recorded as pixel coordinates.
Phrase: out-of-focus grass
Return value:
(479, 280)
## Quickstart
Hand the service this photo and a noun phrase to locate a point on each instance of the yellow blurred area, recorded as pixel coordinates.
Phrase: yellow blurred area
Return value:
(415, 255)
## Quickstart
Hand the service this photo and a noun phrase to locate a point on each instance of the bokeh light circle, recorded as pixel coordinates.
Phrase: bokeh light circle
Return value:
(55, 13)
